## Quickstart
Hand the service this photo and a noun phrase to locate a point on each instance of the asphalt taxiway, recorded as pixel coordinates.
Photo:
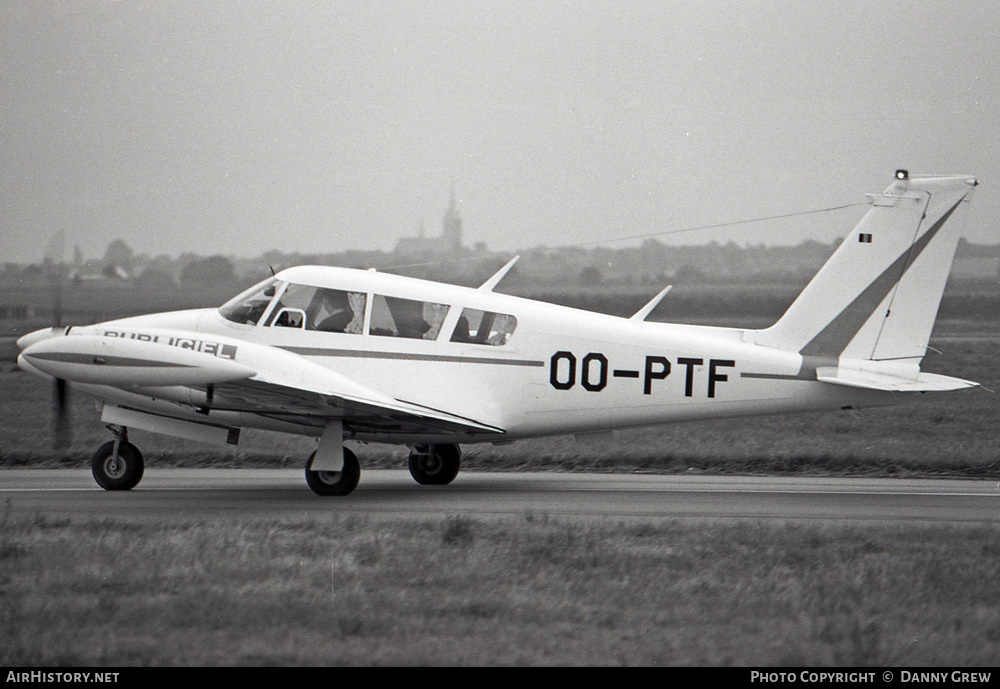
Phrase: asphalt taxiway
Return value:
(185, 494)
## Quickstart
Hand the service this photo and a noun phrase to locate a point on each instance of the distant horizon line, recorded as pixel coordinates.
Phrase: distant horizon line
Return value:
(472, 252)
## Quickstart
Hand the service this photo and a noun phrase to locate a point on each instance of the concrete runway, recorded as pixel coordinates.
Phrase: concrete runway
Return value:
(192, 494)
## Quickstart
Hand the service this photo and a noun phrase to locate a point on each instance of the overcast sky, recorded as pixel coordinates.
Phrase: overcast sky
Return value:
(318, 126)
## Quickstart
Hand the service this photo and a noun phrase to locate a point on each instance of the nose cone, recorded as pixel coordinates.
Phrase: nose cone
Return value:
(31, 338)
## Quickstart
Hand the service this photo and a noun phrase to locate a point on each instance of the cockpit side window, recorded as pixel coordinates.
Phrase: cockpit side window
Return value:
(247, 307)
(483, 327)
(319, 308)
(396, 317)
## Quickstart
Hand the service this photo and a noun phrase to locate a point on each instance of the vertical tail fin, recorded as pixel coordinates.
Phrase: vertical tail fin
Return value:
(877, 297)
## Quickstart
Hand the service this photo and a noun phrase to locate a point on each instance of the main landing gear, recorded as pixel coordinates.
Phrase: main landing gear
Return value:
(334, 482)
(430, 465)
(117, 464)
(435, 465)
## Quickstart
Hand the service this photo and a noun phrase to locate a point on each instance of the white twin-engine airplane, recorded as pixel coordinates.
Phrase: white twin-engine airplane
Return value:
(343, 354)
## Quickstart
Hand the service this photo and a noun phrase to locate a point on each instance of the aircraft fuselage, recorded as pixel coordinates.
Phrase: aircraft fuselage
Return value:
(562, 371)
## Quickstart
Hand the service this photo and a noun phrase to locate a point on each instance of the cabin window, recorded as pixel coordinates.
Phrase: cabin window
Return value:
(247, 307)
(483, 327)
(395, 317)
(326, 310)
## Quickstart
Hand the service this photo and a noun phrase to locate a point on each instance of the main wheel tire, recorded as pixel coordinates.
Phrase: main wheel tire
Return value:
(334, 482)
(121, 473)
(436, 465)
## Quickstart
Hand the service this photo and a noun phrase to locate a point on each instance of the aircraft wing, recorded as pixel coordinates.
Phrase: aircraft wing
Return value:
(335, 396)
(265, 380)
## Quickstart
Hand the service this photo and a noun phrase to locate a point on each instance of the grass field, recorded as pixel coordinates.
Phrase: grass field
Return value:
(529, 590)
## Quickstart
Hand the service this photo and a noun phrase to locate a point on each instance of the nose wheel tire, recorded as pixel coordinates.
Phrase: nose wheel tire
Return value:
(334, 482)
(121, 472)
(435, 465)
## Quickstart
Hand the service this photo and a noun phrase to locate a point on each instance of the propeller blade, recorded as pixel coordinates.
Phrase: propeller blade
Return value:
(54, 258)
(63, 426)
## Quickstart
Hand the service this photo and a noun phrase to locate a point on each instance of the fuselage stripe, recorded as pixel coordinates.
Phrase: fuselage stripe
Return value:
(365, 354)
(774, 376)
(111, 361)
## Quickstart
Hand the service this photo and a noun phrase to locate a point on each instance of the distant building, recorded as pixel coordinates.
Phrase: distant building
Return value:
(449, 243)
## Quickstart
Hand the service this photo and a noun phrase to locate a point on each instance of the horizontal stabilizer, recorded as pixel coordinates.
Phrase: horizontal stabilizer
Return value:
(871, 380)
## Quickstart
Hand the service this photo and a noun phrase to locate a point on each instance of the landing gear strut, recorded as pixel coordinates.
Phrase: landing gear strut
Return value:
(435, 465)
(117, 464)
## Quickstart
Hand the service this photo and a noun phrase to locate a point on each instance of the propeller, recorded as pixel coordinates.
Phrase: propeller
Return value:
(62, 423)
(63, 426)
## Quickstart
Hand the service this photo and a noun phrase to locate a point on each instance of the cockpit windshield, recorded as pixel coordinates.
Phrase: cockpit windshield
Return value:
(247, 307)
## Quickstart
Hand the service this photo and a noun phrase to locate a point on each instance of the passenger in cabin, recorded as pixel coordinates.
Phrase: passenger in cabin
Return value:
(483, 327)
(414, 327)
(461, 333)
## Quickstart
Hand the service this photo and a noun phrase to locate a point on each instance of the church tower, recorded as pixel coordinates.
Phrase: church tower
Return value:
(450, 241)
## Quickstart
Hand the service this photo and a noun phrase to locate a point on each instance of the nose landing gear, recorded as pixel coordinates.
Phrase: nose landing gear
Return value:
(117, 464)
